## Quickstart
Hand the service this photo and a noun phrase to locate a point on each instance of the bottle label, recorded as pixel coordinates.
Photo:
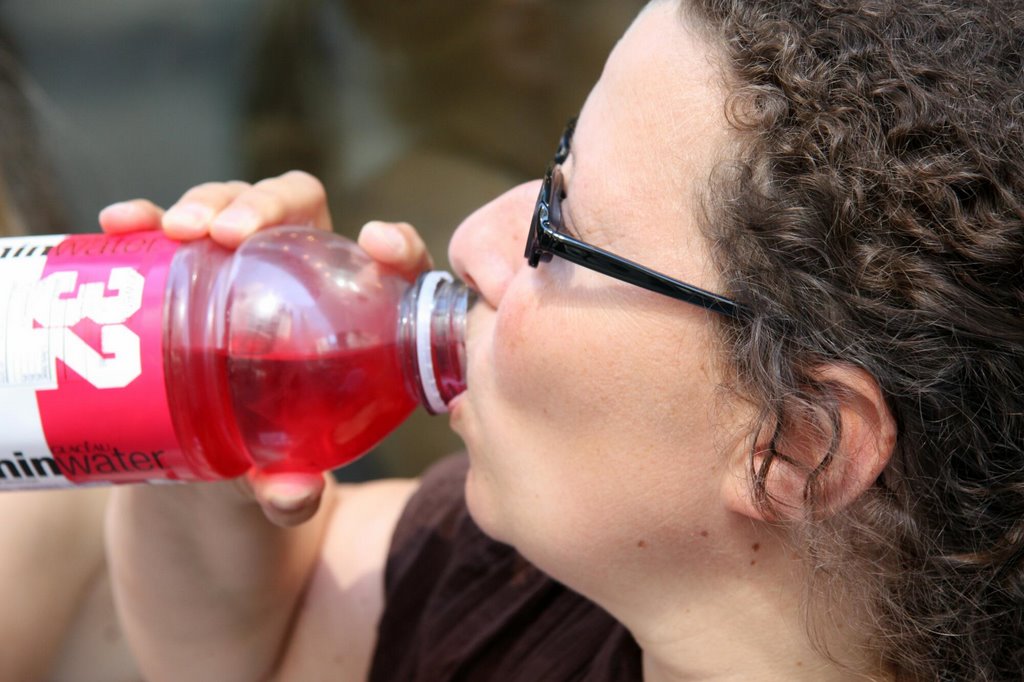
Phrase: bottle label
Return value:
(81, 361)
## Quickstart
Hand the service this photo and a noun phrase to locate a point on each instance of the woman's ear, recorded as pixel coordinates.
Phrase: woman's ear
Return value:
(861, 437)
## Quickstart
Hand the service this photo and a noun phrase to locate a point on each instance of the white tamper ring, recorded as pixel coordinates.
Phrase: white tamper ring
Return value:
(424, 309)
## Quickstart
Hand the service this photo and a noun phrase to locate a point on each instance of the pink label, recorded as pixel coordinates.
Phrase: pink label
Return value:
(102, 306)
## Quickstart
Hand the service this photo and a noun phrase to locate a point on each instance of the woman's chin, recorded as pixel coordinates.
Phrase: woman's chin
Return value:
(481, 505)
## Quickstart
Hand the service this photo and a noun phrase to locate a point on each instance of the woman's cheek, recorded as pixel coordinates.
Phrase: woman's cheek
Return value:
(517, 344)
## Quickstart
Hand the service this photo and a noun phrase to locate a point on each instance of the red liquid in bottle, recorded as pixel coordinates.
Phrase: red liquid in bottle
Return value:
(315, 413)
(204, 420)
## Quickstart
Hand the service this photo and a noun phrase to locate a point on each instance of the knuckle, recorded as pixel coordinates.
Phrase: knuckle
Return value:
(309, 184)
(213, 192)
(262, 192)
(214, 188)
(237, 185)
(264, 201)
(200, 192)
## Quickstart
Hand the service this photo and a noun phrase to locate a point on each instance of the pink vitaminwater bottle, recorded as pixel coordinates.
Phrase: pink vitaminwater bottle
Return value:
(135, 358)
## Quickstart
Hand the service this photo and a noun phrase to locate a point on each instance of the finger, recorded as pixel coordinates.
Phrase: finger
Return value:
(295, 198)
(287, 499)
(397, 245)
(192, 215)
(130, 216)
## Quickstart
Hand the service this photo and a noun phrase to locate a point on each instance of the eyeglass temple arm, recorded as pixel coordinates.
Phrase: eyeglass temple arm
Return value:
(625, 270)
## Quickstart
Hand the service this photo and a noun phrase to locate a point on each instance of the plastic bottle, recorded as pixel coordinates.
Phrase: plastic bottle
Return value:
(135, 358)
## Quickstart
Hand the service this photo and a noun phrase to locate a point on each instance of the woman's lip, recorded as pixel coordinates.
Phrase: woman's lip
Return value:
(453, 404)
(455, 410)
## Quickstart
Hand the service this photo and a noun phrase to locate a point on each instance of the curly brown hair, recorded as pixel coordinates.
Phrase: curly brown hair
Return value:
(875, 217)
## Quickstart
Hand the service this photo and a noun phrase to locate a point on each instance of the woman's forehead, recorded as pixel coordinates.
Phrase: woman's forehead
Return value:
(655, 121)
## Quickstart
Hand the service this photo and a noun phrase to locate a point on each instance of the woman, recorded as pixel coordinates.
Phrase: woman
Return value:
(808, 468)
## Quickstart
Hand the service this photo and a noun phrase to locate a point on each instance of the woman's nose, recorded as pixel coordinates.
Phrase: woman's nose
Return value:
(487, 249)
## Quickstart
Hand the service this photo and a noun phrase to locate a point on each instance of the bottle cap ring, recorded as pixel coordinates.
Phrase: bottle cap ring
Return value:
(424, 311)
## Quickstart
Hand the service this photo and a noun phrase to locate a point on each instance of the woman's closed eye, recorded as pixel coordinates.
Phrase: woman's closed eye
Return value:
(561, 211)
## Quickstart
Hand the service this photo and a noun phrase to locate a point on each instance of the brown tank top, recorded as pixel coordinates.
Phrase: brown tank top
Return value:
(460, 606)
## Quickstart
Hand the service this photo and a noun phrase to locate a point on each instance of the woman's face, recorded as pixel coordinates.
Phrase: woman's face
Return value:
(594, 424)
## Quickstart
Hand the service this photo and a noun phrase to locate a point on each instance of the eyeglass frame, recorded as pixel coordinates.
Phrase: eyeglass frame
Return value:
(546, 240)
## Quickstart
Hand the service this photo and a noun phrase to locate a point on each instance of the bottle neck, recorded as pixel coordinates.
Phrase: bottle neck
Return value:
(432, 339)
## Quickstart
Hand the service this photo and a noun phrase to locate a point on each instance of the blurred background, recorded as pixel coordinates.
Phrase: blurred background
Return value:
(415, 111)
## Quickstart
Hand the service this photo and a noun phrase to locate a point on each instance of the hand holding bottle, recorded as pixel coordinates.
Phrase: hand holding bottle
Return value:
(230, 212)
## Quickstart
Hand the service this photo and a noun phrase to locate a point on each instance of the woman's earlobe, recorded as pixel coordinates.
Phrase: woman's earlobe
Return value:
(820, 463)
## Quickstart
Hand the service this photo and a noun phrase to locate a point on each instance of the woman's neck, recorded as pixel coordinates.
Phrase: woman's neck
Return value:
(741, 617)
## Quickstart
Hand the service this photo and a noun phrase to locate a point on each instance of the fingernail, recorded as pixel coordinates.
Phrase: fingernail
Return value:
(288, 496)
(239, 221)
(387, 234)
(188, 217)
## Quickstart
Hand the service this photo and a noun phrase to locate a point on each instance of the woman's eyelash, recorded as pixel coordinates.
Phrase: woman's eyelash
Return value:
(566, 224)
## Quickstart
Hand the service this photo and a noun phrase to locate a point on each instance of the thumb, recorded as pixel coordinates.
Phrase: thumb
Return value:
(287, 499)
(397, 245)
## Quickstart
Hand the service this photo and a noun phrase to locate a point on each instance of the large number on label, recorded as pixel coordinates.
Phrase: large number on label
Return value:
(120, 360)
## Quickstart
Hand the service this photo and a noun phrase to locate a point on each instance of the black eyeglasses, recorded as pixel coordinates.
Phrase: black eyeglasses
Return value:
(548, 238)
